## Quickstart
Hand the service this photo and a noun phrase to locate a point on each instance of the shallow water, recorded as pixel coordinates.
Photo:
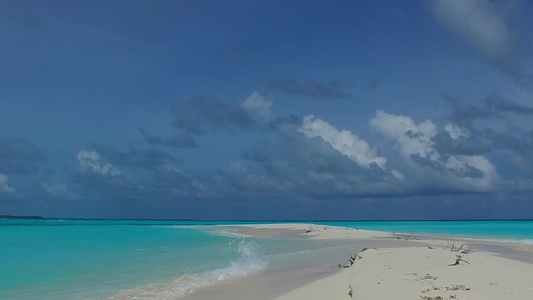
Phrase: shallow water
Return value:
(78, 259)
(500, 229)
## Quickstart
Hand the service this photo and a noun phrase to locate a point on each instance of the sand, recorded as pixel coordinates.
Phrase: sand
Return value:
(395, 266)
(423, 273)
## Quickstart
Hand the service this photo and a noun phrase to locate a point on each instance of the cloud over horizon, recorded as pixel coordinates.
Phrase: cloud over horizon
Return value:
(90, 160)
(260, 110)
(306, 158)
(416, 144)
(343, 141)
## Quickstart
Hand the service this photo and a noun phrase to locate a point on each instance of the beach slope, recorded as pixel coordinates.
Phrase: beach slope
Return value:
(425, 273)
(385, 265)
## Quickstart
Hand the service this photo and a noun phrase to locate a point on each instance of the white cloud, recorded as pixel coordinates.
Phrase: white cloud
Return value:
(479, 22)
(343, 141)
(410, 137)
(461, 164)
(258, 104)
(90, 160)
(414, 141)
(456, 132)
(398, 175)
(4, 187)
(58, 190)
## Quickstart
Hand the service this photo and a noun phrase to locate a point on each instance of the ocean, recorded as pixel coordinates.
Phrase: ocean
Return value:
(128, 259)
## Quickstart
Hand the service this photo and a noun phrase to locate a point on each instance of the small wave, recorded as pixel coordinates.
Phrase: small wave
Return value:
(519, 241)
(229, 233)
(218, 232)
(251, 260)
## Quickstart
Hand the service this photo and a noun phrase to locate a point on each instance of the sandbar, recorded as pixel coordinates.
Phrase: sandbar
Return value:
(363, 264)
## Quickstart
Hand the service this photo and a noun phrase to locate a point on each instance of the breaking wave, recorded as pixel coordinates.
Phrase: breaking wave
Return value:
(250, 260)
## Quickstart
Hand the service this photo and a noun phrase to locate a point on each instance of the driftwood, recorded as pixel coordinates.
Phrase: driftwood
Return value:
(403, 236)
(462, 250)
(309, 229)
(354, 257)
(458, 260)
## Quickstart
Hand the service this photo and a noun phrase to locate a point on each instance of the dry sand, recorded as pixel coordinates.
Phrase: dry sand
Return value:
(418, 268)
(423, 273)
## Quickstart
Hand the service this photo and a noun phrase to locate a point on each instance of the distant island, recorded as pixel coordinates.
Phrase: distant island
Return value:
(20, 217)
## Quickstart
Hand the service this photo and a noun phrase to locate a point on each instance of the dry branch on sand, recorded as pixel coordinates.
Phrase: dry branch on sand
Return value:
(402, 236)
(458, 260)
(309, 229)
(354, 257)
(462, 250)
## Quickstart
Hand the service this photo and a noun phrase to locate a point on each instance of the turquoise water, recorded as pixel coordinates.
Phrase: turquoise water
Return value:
(500, 229)
(77, 259)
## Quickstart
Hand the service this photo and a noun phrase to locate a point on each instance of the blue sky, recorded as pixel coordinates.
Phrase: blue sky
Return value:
(267, 109)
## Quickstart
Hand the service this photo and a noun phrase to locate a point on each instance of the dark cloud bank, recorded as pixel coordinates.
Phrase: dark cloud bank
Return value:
(306, 169)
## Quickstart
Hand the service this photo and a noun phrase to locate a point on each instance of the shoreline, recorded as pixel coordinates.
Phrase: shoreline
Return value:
(427, 256)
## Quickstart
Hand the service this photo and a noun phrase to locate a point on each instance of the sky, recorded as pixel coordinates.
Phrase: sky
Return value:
(256, 110)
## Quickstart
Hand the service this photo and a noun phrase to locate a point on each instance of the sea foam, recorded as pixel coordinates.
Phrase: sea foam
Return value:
(250, 260)
(526, 241)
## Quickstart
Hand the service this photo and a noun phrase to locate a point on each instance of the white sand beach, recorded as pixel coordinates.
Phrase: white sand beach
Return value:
(393, 266)
(424, 273)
